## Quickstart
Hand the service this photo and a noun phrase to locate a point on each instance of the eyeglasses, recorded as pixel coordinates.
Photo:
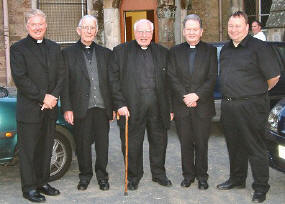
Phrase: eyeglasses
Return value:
(88, 28)
(36, 25)
(146, 32)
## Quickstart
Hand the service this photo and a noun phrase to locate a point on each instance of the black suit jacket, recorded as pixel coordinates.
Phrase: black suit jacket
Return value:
(124, 77)
(75, 96)
(201, 81)
(34, 78)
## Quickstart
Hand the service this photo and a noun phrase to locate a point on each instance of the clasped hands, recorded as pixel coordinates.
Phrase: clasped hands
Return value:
(190, 100)
(49, 102)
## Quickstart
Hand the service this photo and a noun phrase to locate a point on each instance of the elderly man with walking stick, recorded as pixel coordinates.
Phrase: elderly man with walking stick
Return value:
(138, 84)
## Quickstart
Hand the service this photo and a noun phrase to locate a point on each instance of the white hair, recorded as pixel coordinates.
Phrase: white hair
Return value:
(34, 12)
(143, 21)
(88, 17)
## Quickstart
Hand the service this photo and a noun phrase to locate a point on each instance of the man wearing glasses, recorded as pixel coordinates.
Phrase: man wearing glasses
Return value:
(138, 83)
(86, 101)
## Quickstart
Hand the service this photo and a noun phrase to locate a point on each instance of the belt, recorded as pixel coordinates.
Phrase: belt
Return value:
(241, 98)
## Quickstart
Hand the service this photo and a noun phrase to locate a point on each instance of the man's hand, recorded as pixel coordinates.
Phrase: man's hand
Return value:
(171, 116)
(49, 102)
(272, 82)
(68, 116)
(191, 99)
(124, 111)
(114, 116)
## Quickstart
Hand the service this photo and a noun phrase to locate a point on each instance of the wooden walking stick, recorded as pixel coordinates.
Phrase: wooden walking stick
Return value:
(126, 153)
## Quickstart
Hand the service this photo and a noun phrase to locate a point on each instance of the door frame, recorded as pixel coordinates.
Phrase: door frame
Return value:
(138, 5)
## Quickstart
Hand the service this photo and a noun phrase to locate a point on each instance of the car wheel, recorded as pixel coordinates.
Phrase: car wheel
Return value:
(61, 157)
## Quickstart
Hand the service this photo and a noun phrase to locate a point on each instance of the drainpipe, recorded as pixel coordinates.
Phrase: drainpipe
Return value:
(220, 21)
(7, 44)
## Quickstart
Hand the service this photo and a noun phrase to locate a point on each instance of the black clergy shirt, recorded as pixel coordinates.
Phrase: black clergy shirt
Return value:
(246, 68)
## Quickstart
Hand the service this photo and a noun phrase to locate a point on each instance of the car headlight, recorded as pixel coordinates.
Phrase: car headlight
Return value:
(274, 117)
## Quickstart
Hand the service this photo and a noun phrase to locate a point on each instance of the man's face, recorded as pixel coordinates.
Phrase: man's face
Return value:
(36, 27)
(237, 29)
(87, 31)
(143, 34)
(255, 28)
(192, 32)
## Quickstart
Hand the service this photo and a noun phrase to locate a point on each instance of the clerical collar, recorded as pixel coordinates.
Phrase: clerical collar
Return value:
(144, 48)
(86, 46)
(36, 41)
(192, 46)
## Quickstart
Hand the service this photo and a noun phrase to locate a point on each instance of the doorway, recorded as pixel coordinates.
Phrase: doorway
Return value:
(131, 11)
(131, 17)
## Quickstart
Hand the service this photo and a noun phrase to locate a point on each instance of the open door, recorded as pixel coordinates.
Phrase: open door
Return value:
(132, 11)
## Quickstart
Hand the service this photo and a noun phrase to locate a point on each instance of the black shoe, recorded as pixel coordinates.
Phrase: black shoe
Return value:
(186, 182)
(203, 185)
(48, 190)
(34, 196)
(164, 182)
(104, 184)
(132, 185)
(82, 185)
(229, 185)
(258, 197)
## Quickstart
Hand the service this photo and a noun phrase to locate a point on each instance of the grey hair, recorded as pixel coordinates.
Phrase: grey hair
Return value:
(34, 12)
(90, 17)
(193, 17)
(143, 21)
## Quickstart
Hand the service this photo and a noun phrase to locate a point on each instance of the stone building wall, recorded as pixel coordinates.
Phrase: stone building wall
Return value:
(276, 21)
(17, 30)
(209, 13)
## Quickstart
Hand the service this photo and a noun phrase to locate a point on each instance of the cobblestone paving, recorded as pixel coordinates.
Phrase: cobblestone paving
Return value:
(148, 191)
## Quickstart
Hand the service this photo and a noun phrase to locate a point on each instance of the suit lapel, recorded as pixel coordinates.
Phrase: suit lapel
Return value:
(132, 68)
(199, 57)
(155, 53)
(99, 58)
(81, 60)
(184, 54)
(33, 49)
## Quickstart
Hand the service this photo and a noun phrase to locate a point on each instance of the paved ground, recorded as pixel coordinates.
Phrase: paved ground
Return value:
(149, 192)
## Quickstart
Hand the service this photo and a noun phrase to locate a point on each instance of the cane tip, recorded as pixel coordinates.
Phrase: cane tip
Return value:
(125, 193)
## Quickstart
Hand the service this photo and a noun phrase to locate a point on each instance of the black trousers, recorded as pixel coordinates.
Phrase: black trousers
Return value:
(193, 133)
(35, 141)
(149, 119)
(94, 127)
(244, 128)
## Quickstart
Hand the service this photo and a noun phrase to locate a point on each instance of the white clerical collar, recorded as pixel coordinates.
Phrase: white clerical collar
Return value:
(192, 46)
(144, 48)
(87, 47)
(39, 41)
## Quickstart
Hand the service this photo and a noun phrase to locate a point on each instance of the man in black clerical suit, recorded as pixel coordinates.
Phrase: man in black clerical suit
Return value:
(86, 101)
(192, 72)
(138, 81)
(38, 72)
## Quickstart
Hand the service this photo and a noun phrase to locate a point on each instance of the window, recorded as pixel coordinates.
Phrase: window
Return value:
(258, 10)
(62, 18)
